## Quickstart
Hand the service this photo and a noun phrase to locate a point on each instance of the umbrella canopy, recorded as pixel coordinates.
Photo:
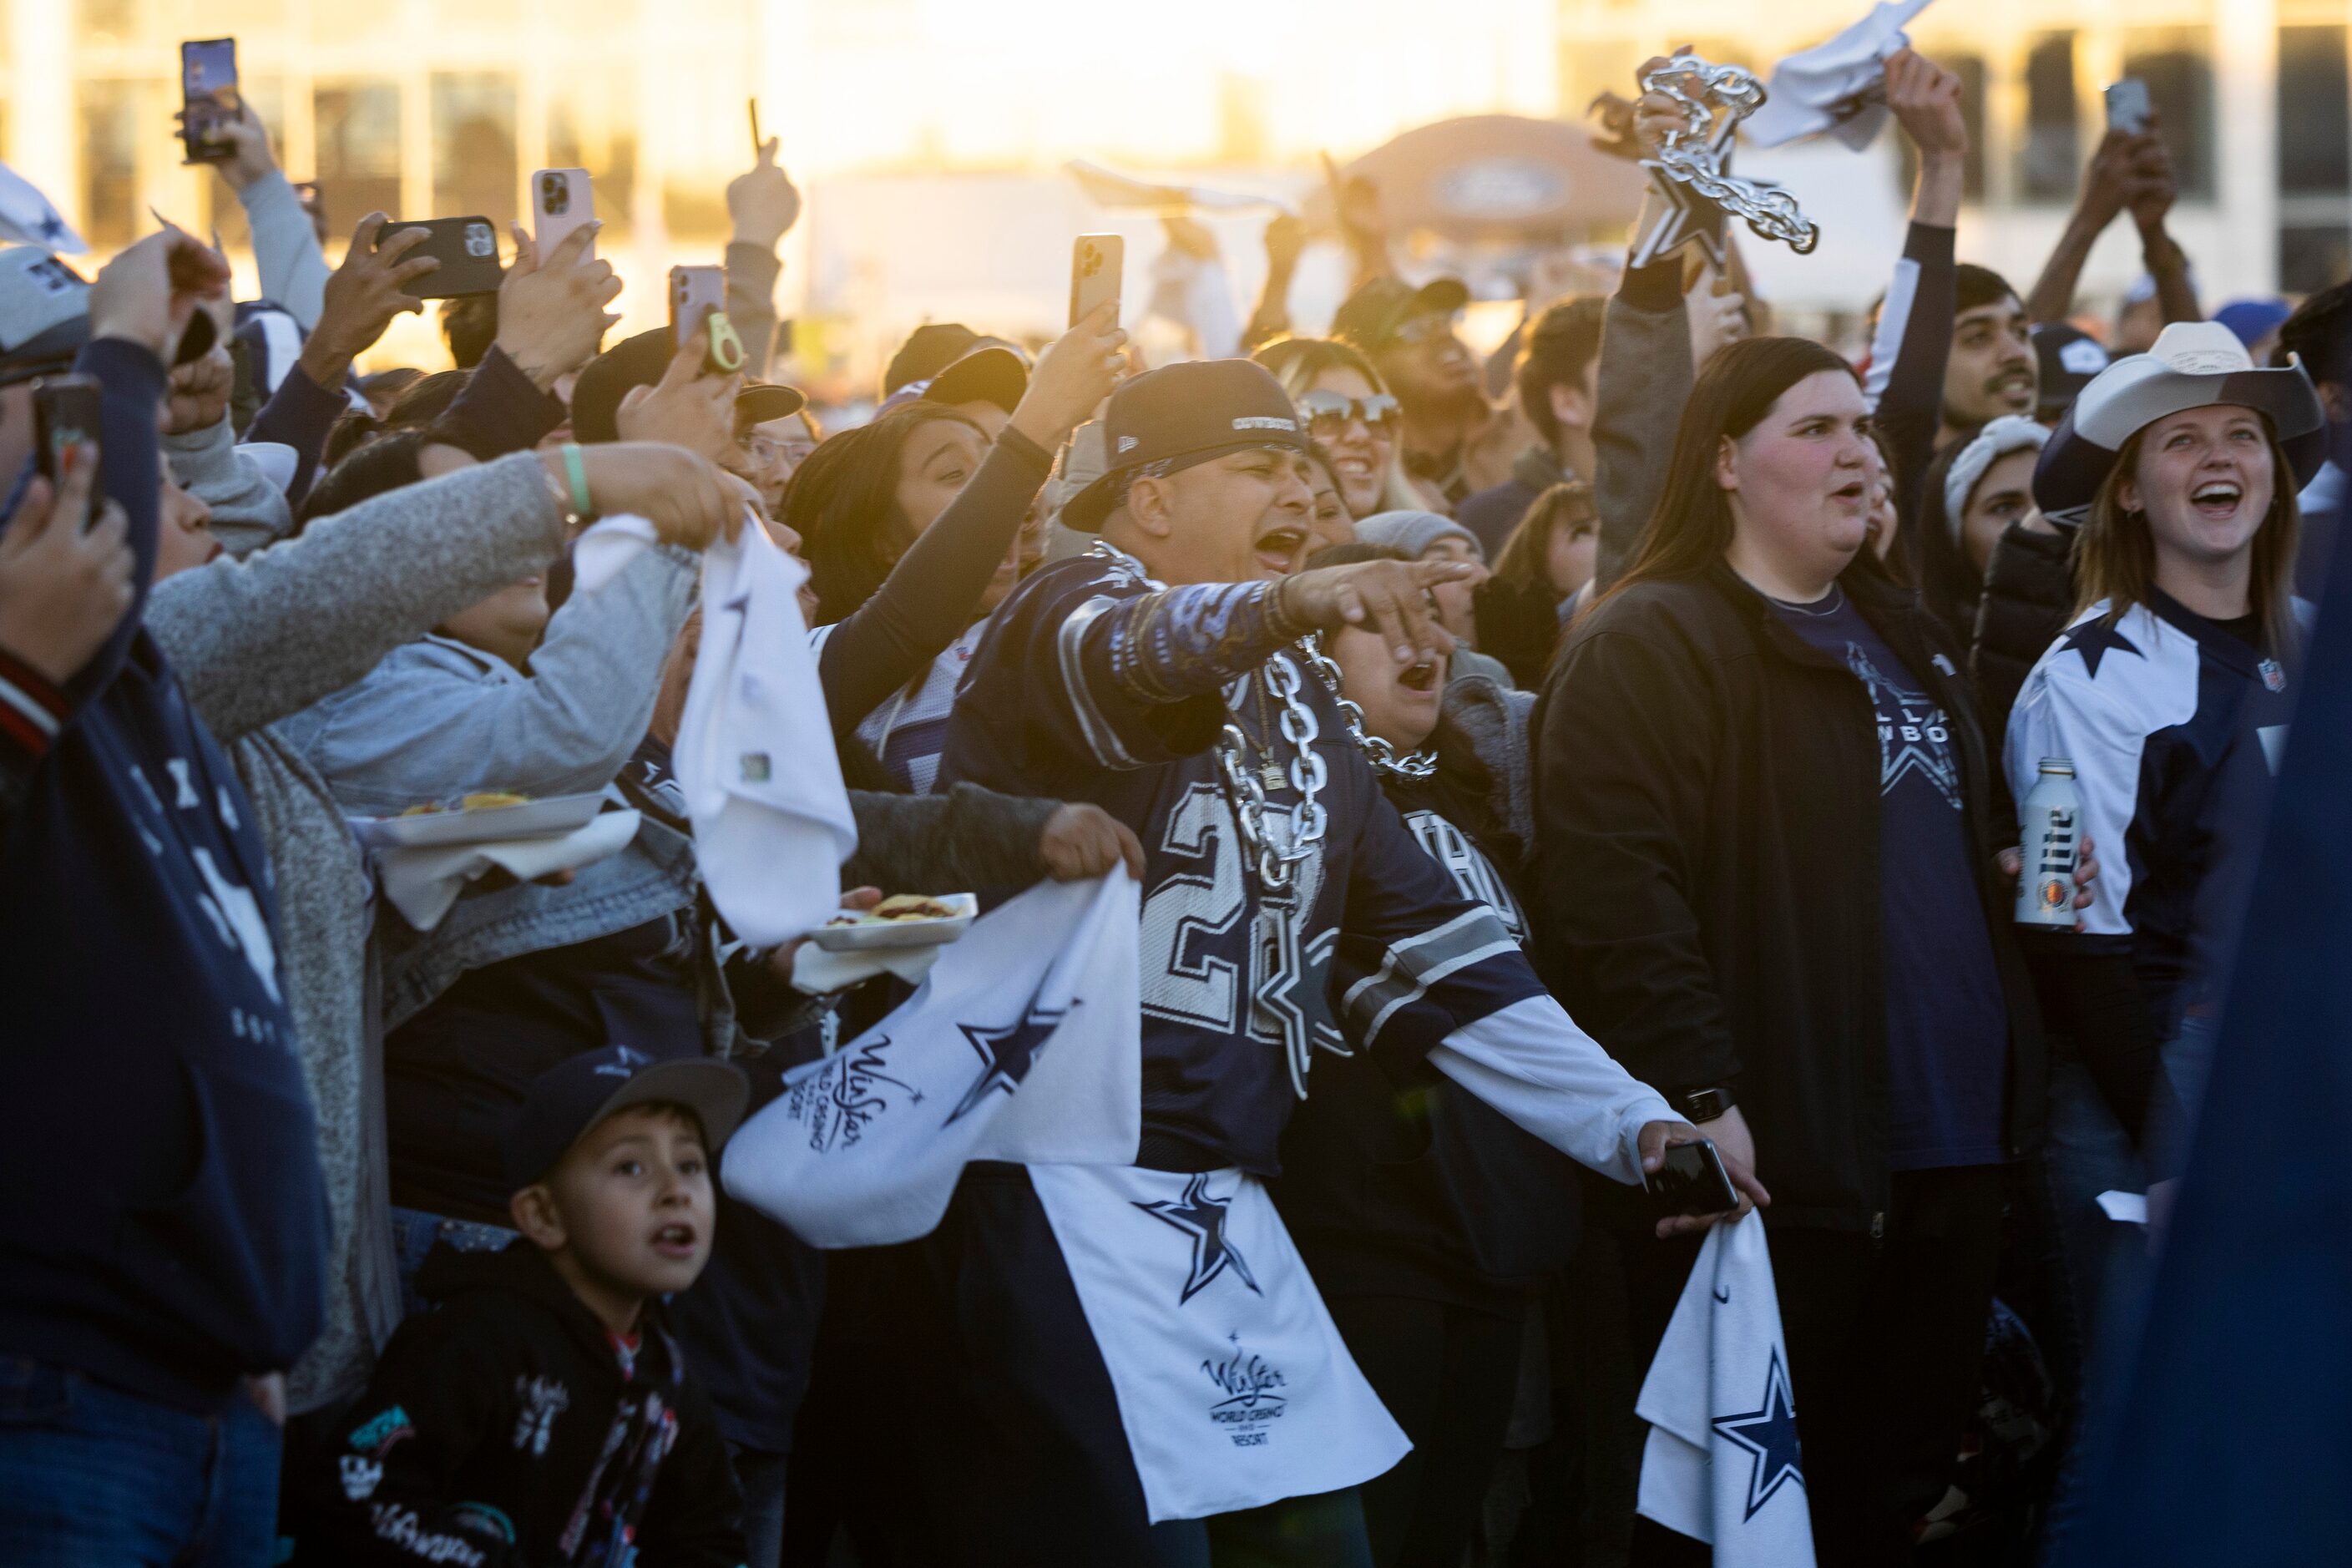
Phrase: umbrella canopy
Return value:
(1500, 177)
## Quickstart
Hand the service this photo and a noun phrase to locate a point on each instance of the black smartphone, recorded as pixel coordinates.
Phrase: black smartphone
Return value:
(65, 414)
(1692, 1181)
(467, 249)
(207, 97)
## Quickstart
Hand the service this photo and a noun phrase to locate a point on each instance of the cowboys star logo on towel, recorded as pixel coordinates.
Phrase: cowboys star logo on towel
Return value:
(865, 1147)
(1201, 1217)
(1005, 1054)
(1768, 1432)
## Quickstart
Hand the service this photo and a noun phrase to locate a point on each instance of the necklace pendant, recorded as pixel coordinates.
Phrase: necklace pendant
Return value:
(1273, 774)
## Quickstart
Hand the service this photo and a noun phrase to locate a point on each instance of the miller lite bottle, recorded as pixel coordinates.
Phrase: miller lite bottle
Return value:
(2050, 835)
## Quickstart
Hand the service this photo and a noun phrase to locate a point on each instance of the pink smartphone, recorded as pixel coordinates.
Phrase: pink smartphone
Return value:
(561, 201)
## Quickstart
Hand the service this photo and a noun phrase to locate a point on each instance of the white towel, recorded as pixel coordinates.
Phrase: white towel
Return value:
(1839, 86)
(1722, 1463)
(1022, 1044)
(423, 882)
(1234, 1388)
(754, 754)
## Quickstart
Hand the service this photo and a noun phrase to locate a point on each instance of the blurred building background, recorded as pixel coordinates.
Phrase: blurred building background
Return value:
(928, 135)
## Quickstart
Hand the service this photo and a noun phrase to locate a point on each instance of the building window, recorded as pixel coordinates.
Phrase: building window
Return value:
(358, 130)
(110, 167)
(2314, 256)
(2047, 164)
(589, 127)
(2177, 64)
(474, 170)
(2314, 112)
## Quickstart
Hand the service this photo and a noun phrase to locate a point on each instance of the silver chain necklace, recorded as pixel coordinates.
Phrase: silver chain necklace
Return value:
(1380, 753)
(1307, 774)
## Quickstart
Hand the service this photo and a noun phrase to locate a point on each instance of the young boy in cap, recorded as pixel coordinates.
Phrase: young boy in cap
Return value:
(542, 1412)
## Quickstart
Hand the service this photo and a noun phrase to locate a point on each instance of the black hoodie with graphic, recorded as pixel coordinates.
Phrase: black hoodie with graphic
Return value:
(509, 1426)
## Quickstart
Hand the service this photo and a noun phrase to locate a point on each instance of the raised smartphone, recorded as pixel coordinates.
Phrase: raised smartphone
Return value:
(209, 97)
(65, 414)
(2127, 106)
(1095, 262)
(467, 248)
(561, 200)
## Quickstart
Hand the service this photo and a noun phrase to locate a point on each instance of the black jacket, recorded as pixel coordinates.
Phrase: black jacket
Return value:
(1706, 876)
(2029, 596)
(503, 1428)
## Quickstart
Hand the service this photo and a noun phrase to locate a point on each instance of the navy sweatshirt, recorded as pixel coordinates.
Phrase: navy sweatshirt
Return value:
(166, 1225)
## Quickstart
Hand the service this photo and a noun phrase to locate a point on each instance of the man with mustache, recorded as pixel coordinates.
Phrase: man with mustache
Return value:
(1993, 370)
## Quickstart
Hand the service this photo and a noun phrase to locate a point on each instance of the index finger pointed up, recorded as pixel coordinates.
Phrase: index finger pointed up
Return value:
(687, 363)
(768, 151)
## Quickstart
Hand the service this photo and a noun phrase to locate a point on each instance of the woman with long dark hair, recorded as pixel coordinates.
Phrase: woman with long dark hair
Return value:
(1766, 876)
(912, 526)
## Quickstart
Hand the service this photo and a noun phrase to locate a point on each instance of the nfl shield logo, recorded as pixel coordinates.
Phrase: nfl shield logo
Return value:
(2273, 678)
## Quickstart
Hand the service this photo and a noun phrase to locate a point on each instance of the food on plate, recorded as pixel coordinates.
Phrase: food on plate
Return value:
(481, 800)
(899, 908)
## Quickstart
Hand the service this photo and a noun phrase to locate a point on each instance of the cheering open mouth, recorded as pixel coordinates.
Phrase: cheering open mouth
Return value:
(674, 1240)
(1279, 547)
(2217, 498)
(1418, 675)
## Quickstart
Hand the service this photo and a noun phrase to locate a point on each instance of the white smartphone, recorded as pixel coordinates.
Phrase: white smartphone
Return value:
(561, 201)
(2127, 106)
(1095, 262)
(694, 293)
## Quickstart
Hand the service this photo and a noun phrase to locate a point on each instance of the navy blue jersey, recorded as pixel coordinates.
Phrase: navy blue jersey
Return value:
(1093, 684)
(2171, 722)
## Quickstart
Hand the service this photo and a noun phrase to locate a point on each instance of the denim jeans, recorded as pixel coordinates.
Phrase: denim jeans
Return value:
(413, 1234)
(92, 1476)
(2104, 1262)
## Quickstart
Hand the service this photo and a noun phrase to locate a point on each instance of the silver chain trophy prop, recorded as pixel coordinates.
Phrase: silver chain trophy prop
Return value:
(1690, 178)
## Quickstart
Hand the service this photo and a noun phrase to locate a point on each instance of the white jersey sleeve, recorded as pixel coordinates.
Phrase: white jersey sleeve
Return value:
(1531, 1062)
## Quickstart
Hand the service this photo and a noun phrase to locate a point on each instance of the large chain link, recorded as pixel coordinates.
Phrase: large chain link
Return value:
(1309, 774)
(1694, 155)
(1383, 755)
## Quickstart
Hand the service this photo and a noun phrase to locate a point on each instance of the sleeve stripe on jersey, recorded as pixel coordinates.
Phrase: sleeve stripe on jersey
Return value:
(35, 714)
(1418, 962)
(1101, 739)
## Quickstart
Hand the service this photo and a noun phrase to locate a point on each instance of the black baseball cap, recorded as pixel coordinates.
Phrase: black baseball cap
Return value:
(947, 362)
(596, 394)
(761, 401)
(2069, 360)
(1184, 413)
(1370, 316)
(567, 1101)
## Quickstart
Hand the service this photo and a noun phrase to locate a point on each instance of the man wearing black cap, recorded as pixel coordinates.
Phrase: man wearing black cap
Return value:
(1456, 442)
(948, 363)
(1285, 912)
(543, 1412)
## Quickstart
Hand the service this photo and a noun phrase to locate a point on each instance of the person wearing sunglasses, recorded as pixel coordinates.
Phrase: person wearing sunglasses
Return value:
(1352, 417)
(1455, 442)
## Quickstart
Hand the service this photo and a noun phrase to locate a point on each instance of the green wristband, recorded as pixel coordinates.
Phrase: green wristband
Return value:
(582, 503)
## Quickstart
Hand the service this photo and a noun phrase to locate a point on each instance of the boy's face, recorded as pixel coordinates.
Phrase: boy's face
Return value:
(633, 1203)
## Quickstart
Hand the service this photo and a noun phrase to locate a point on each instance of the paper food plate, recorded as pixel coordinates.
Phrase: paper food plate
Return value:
(550, 818)
(931, 932)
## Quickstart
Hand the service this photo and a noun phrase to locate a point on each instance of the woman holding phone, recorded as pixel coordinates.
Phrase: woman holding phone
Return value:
(1752, 719)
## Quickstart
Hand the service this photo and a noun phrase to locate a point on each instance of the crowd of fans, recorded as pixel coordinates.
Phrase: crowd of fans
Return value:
(1661, 719)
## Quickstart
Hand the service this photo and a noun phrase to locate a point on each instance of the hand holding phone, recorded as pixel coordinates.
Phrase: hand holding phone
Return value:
(209, 97)
(467, 249)
(65, 416)
(1691, 1180)
(2130, 108)
(698, 296)
(1097, 262)
(561, 200)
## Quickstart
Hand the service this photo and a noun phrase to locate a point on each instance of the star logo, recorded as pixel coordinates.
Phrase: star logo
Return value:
(2094, 639)
(1005, 1055)
(1768, 1433)
(1680, 217)
(1203, 1218)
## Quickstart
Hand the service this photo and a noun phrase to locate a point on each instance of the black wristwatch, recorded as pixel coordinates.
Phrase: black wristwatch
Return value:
(1701, 1105)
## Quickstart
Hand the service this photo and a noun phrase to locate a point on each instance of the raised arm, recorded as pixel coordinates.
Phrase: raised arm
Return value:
(930, 596)
(764, 204)
(1644, 381)
(284, 243)
(2113, 177)
(1915, 328)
